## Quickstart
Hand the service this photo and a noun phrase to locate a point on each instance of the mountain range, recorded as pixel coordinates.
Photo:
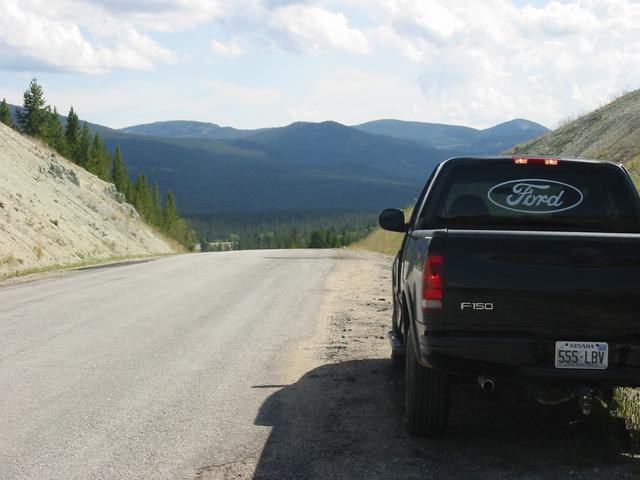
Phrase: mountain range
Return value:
(303, 166)
(438, 135)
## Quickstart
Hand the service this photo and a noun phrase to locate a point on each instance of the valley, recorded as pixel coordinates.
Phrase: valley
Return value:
(302, 166)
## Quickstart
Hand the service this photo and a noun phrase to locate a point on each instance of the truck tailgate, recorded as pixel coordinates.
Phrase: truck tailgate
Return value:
(578, 285)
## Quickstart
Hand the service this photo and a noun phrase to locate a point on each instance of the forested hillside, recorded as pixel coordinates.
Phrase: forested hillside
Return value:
(303, 166)
(86, 148)
(323, 166)
(216, 177)
(308, 166)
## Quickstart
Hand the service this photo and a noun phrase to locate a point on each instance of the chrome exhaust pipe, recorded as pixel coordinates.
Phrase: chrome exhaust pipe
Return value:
(487, 384)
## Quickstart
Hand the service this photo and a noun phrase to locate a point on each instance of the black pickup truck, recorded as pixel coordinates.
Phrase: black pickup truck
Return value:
(517, 271)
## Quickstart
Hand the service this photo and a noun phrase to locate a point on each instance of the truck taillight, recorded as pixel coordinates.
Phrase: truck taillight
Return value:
(535, 161)
(432, 279)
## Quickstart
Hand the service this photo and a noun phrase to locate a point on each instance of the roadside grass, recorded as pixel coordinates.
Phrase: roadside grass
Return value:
(177, 246)
(626, 405)
(382, 241)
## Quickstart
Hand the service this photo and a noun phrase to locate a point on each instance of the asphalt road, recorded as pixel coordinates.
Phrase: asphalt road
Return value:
(149, 370)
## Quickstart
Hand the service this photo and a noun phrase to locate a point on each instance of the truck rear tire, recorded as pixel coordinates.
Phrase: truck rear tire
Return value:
(426, 396)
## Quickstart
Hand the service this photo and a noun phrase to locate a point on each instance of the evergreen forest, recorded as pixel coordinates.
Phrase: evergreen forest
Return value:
(285, 229)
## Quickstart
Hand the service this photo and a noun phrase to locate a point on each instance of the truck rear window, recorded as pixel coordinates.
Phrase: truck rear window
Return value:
(572, 196)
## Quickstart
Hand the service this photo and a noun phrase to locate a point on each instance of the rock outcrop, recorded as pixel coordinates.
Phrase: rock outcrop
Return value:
(52, 212)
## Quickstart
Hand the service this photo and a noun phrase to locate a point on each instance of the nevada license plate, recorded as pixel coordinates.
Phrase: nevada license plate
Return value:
(583, 355)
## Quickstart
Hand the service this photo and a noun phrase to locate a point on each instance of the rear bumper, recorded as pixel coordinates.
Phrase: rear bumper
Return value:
(526, 360)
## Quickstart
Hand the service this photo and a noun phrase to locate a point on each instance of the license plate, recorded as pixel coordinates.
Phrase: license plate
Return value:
(583, 355)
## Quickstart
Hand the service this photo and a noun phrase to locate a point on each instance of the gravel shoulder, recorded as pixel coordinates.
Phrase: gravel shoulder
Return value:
(340, 415)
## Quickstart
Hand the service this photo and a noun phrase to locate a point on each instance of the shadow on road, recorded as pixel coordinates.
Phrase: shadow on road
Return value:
(344, 420)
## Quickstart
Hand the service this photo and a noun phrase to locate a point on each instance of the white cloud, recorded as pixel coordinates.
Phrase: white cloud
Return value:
(477, 62)
(30, 40)
(145, 15)
(428, 18)
(435, 60)
(97, 36)
(485, 61)
(560, 19)
(311, 28)
(231, 49)
(292, 26)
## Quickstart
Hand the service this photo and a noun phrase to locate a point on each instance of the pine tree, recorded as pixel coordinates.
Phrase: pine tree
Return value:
(142, 196)
(32, 117)
(317, 239)
(120, 175)
(83, 151)
(72, 134)
(99, 160)
(171, 216)
(156, 207)
(5, 114)
(294, 240)
(53, 133)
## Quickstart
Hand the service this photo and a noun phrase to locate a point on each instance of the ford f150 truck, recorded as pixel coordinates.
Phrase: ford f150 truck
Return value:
(519, 271)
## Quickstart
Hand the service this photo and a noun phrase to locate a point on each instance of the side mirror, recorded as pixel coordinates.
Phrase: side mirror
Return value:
(392, 219)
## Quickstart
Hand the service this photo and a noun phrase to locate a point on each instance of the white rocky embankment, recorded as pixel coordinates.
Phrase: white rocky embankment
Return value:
(53, 212)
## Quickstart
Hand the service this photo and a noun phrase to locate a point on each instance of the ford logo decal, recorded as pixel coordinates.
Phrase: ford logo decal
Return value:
(535, 195)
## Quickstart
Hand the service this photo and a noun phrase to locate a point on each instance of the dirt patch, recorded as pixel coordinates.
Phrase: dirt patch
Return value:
(352, 321)
(237, 470)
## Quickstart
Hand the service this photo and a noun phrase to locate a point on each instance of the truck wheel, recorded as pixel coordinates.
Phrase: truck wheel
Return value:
(426, 396)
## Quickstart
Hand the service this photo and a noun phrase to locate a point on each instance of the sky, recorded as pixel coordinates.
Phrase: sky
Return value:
(258, 63)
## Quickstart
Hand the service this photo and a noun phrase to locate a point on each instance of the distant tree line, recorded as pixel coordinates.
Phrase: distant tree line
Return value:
(288, 229)
(76, 142)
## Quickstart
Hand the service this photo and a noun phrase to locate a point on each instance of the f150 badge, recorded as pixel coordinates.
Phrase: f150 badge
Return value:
(476, 306)
(534, 195)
